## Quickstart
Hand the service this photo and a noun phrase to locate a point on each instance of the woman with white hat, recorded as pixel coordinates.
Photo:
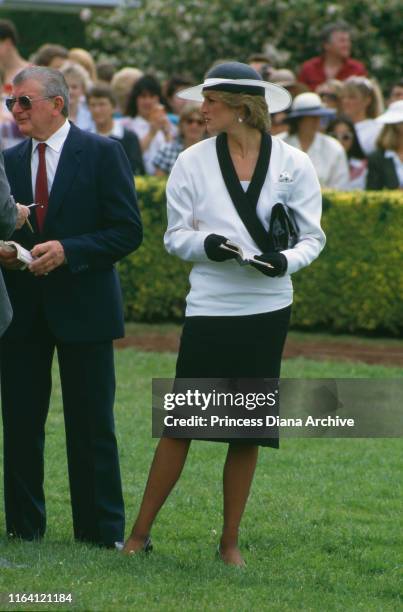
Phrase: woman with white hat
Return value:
(385, 166)
(327, 155)
(221, 194)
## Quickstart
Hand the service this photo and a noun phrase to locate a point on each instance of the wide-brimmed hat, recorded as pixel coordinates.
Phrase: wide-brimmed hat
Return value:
(235, 77)
(393, 114)
(309, 104)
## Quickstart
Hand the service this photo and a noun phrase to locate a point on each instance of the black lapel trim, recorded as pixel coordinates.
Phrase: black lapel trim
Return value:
(246, 202)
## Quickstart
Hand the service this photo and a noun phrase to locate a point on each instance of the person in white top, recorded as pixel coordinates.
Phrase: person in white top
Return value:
(148, 119)
(236, 315)
(362, 102)
(326, 154)
(342, 128)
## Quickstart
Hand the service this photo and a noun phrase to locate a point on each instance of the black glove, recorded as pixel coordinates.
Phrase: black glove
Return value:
(212, 248)
(277, 260)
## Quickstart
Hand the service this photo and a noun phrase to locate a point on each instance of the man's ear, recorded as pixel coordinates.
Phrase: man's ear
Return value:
(58, 104)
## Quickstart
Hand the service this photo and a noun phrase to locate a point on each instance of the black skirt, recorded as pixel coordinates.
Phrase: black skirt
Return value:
(244, 347)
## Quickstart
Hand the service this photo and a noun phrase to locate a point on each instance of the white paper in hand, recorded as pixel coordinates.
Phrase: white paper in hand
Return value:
(23, 254)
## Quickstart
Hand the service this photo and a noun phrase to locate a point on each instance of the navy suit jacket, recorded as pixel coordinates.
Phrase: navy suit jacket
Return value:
(93, 212)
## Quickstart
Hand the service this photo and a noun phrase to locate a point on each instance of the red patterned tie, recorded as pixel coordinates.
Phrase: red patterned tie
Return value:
(41, 187)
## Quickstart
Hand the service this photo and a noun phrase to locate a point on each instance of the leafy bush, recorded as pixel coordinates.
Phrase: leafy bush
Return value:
(357, 282)
(154, 284)
(189, 35)
(356, 285)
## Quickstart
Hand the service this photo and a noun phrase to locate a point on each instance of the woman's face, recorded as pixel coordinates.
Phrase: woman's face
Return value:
(278, 124)
(354, 104)
(309, 123)
(193, 127)
(146, 102)
(76, 89)
(219, 117)
(329, 98)
(344, 135)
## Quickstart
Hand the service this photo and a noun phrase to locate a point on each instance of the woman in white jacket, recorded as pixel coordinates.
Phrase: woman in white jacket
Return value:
(237, 316)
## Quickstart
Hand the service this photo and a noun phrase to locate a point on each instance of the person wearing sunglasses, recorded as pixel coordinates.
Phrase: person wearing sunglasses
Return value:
(342, 128)
(330, 94)
(191, 129)
(68, 299)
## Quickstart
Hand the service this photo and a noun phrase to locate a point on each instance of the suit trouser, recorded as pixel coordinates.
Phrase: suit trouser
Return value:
(88, 389)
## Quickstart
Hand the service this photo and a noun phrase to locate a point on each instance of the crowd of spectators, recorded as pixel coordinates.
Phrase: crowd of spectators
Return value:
(338, 116)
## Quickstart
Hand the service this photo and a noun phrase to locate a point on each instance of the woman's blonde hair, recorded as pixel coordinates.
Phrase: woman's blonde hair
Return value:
(77, 72)
(252, 109)
(368, 88)
(84, 58)
(122, 84)
(388, 138)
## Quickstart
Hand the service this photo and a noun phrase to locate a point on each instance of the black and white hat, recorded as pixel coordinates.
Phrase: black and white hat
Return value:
(309, 104)
(235, 77)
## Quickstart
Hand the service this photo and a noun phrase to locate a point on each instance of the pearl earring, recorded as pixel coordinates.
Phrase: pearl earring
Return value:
(240, 120)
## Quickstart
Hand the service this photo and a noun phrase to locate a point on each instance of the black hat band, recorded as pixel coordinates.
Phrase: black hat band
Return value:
(232, 88)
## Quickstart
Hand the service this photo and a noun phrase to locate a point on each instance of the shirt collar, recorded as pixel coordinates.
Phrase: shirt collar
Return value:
(56, 140)
(117, 130)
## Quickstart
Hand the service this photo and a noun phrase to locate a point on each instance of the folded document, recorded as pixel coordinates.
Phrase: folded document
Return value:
(23, 255)
(241, 257)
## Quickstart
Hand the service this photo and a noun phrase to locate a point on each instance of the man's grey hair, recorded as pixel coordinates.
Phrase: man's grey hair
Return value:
(329, 29)
(52, 81)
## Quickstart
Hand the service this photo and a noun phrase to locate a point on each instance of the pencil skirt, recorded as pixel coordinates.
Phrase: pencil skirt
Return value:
(234, 347)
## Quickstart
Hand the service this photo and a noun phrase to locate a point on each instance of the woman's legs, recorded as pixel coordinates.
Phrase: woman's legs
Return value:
(238, 474)
(167, 465)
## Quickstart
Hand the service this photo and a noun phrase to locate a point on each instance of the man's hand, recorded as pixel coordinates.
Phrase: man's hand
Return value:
(22, 215)
(8, 260)
(48, 256)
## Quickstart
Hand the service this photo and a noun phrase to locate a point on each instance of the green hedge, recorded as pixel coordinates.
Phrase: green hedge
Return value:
(154, 283)
(356, 285)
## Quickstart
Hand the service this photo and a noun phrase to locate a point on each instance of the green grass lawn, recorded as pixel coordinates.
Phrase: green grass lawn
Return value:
(321, 530)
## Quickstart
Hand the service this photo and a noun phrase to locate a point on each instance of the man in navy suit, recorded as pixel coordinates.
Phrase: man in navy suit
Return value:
(69, 298)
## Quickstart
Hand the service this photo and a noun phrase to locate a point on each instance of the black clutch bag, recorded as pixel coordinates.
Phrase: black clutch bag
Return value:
(283, 231)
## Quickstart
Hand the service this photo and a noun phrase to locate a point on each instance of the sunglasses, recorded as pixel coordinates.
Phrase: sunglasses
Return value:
(342, 137)
(25, 102)
(198, 121)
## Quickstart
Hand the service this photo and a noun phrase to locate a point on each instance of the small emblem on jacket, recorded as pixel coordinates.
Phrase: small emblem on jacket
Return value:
(285, 177)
